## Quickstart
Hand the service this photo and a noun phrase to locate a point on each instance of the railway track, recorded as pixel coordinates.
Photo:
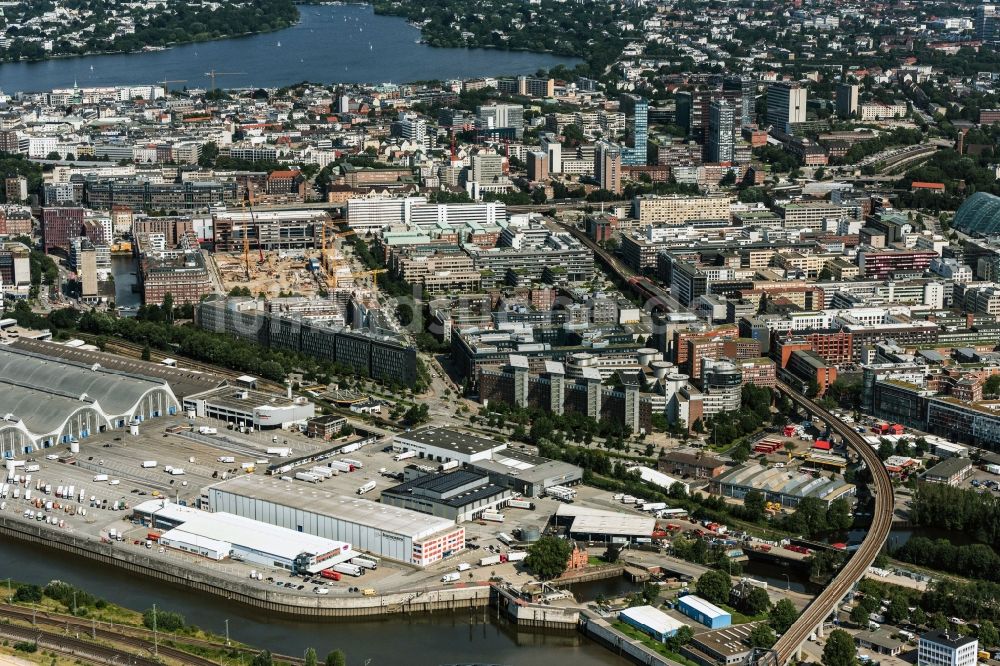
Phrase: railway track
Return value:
(133, 350)
(125, 635)
(76, 648)
(816, 613)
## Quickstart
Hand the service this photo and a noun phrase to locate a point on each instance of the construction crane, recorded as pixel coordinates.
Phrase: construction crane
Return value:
(374, 275)
(212, 74)
(166, 90)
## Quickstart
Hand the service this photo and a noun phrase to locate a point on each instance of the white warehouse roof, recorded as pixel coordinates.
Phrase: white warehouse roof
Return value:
(243, 532)
(657, 478)
(353, 509)
(596, 521)
(655, 619)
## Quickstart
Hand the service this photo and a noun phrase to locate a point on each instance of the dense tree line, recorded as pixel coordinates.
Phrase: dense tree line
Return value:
(812, 517)
(584, 30)
(18, 165)
(945, 507)
(974, 560)
(174, 23)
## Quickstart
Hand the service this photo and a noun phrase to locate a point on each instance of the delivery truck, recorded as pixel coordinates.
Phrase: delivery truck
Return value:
(348, 569)
(366, 488)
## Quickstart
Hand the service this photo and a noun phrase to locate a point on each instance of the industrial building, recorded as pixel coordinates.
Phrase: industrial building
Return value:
(459, 495)
(48, 401)
(221, 535)
(704, 612)
(780, 484)
(586, 524)
(729, 646)
(445, 445)
(522, 472)
(387, 531)
(651, 621)
(247, 407)
(527, 474)
(659, 479)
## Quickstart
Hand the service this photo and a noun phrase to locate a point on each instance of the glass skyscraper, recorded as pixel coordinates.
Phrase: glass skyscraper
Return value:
(636, 155)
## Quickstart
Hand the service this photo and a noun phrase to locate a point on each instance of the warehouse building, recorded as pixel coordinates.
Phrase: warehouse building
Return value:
(651, 621)
(704, 612)
(220, 535)
(780, 484)
(47, 401)
(445, 445)
(250, 408)
(586, 524)
(522, 472)
(527, 474)
(383, 530)
(459, 496)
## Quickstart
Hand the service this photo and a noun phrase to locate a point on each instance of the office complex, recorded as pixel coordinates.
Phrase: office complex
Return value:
(786, 105)
(720, 144)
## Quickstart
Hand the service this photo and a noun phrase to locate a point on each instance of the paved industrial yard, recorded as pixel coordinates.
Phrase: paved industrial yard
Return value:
(120, 455)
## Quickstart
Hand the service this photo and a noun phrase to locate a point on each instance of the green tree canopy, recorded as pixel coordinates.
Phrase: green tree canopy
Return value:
(548, 557)
(714, 586)
(839, 649)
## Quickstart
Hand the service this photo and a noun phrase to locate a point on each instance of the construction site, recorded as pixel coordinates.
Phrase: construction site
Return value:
(285, 253)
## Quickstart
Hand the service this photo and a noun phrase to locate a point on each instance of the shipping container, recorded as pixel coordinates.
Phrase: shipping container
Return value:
(339, 466)
(404, 455)
(356, 464)
(364, 563)
(451, 464)
(351, 447)
(281, 452)
(521, 504)
(489, 561)
(147, 464)
(516, 555)
(324, 472)
(492, 516)
(307, 477)
(329, 574)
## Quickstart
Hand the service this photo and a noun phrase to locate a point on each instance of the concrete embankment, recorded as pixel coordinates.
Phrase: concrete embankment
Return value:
(417, 601)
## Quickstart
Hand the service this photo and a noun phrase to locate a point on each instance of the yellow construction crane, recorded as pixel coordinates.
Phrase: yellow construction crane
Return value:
(374, 275)
(166, 91)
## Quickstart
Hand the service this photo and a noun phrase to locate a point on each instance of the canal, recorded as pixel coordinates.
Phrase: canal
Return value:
(420, 640)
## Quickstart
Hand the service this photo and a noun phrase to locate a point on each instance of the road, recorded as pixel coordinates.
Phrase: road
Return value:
(824, 604)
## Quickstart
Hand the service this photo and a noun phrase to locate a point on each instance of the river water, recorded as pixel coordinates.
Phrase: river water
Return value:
(330, 44)
(123, 269)
(421, 640)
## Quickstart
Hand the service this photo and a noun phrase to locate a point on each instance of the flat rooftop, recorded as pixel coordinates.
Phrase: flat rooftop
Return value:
(597, 521)
(244, 532)
(238, 398)
(525, 465)
(313, 499)
(450, 440)
(440, 485)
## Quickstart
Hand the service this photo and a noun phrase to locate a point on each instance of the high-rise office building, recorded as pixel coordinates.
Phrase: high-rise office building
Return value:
(847, 99)
(487, 168)
(413, 128)
(538, 166)
(720, 143)
(608, 167)
(987, 19)
(747, 88)
(500, 117)
(786, 105)
(552, 148)
(636, 154)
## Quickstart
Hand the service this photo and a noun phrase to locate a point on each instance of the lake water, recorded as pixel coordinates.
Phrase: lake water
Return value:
(419, 640)
(330, 44)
